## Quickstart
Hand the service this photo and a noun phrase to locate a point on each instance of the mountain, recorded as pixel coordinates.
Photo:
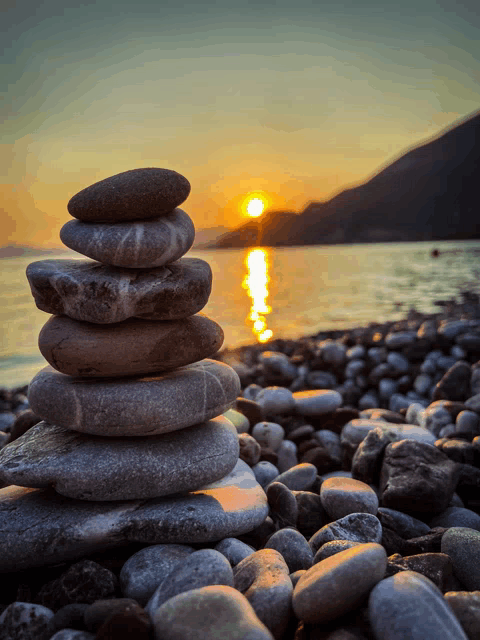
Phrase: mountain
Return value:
(205, 237)
(17, 250)
(430, 193)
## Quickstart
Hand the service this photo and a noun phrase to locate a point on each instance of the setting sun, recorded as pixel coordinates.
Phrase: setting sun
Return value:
(254, 204)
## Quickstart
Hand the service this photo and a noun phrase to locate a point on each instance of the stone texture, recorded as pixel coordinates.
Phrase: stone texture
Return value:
(268, 434)
(92, 292)
(404, 525)
(437, 567)
(26, 621)
(294, 548)
(283, 505)
(466, 607)
(463, 546)
(97, 468)
(316, 402)
(408, 605)
(129, 348)
(234, 550)
(358, 527)
(250, 449)
(72, 634)
(298, 478)
(136, 194)
(331, 548)
(202, 568)
(264, 580)
(456, 517)
(123, 623)
(209, 612)
(311, 514)
(338, 584)
(132, 245)
(342, 496)
(144, 571)
(417, 477)
(46, 528)
(138, 405)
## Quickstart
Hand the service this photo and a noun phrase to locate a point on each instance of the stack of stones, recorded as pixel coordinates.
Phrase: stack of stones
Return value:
(131, 405)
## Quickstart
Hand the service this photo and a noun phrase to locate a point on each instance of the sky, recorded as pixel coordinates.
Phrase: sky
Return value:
(295, 99)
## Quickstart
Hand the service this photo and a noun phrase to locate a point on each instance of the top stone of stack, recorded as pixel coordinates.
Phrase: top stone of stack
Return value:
(138, 194)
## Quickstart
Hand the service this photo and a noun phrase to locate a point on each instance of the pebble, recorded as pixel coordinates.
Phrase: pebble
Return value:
(120, 469)
(358, 527)
(234, 550)
(468, 422)
(408, 605)
(316, 402)
(293, 547)
(93, 292)
(250, 449)
(466, 607)
(398, 362)
(144, 244)
(265, 472)
(462, 544)
(403, 524)
(250, 409)
(331, 548)
(263, 578)
(321, 380)
(455, 384)
(229, 507)
(311, 515)
(286, 455)
(452, 329)
(70, 616)
(400, 339)
(97, 614)
(275, 400)
(136, 194)
(135, 406)
(72, 634)
(283, 505)
(133, 347)
(437, 567)
(268, 434)
(343, 496)
(332, 352)
(202, 568)
(144, 571)
(338, 584)
(457, 517)
(298, 478)
(213, 612)
(26, 621)
(239, 421)
(277, 365)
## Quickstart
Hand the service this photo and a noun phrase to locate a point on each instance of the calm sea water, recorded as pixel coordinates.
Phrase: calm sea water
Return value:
(286, 292)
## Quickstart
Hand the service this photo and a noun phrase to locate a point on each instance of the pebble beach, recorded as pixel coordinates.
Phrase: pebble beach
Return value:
(153, 486)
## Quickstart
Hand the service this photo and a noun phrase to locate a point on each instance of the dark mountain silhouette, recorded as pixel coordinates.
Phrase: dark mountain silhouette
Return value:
(429, 193)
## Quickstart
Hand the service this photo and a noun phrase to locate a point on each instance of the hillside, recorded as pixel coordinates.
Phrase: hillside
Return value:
(429, 193)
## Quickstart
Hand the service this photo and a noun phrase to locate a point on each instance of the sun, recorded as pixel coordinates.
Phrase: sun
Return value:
(254, 204)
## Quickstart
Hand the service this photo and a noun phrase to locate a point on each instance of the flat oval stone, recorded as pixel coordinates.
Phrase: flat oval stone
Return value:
(234, 550)
(339, 583)
(120, 468)
(209, 612)
(137, 194)
(132, 245)
(358, 527)
(294, 548)
(268, 434)
(26, 620)
(128, 348)
(342, 496)
(93, 292)
(408, 605)
(135, 406)
(45, 528)
(317, 402)
(142, 573)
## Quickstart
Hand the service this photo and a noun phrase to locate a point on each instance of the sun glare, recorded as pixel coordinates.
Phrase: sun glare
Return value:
(254, 204)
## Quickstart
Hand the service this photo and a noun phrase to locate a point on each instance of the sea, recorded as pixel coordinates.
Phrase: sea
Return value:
(265, 293)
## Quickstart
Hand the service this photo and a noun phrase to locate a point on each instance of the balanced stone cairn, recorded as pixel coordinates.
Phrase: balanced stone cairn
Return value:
(131, 404)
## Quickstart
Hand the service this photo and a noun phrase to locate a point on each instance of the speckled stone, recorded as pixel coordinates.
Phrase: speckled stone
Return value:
(46, 528)
(342, 496)
(359, 527)
(138, 405)
(331, 548)
(462, 544)
(466, 606)
(294, 548)
(132, 245)
(136, 194)
(24, 620)
(93, 292)
(129, 348)
(79, 466)
(338, 584)
(234, 550)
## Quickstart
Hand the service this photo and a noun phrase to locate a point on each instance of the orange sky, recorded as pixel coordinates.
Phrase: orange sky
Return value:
(297, 104)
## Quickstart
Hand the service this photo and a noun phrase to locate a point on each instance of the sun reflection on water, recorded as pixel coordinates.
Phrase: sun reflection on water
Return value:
(256, 282)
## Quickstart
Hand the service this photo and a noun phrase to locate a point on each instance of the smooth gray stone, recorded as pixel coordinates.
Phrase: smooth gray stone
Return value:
(207, 613)
(286, 455)
(466, 606)
(404, 525)
(93, 292)
(250, 450)
(399, 339)
(265, 472)
(201, 569)
(275, 400)
(277, 364)
(45, 528)
(234, 550)
(457, 517)
(462, 544)
(317, 402)
(332, 352)
(359, 527)
(136, 406)
(294, 548)
(137, 468)
(342, 496)
(72, 634)
(26, 621)
(268, 434)
(264, 579)
(129, 348)
(298, 478)
(331, 548)
(136, 194)
(142, 244)
(409, 605)
(144, 571)
(338, 584)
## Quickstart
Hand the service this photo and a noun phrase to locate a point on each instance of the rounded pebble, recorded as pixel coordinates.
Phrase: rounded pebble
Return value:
(342, 496)
(294, 548)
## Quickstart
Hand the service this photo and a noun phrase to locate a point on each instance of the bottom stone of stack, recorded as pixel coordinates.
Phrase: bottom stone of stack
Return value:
(45, 528)
(97, 468)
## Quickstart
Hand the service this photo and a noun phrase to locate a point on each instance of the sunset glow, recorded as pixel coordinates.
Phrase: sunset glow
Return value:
(254, 204)
(256, 283)
(255, 207)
